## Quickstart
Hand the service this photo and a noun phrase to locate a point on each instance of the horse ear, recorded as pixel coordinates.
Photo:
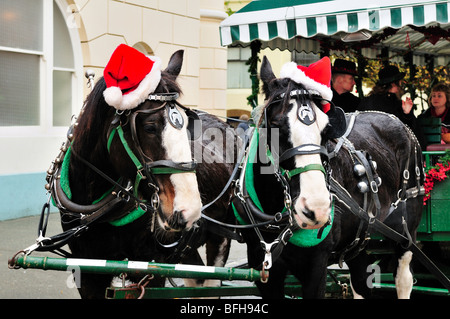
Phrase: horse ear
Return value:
(266, 74)
(175, 63)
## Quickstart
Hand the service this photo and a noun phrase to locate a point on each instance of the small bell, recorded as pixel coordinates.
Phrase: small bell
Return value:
(374, 165)
(359, 170)
(363, 187)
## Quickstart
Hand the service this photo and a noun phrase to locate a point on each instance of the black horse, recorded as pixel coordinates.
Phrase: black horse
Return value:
(132, 179)
(288, 187)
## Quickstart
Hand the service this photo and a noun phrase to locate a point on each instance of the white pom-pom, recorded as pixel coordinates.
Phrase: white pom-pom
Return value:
(113, 96)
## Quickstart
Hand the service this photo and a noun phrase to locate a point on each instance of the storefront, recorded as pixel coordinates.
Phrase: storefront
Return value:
(47, 45)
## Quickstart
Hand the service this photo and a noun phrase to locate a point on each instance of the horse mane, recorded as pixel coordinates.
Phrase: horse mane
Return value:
(94, 114)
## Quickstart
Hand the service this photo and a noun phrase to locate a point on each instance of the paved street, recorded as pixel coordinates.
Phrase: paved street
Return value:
(18, 234)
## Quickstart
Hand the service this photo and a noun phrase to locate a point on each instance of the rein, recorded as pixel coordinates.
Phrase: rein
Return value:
(119, 196)
(147, 169)
(250, 214)
(246, 200)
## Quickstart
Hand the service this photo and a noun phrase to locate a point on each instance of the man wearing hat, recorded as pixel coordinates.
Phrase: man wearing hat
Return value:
(343, 81)
(386, 96)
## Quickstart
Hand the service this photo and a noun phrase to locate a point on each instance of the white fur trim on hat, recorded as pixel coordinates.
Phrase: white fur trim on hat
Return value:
(290, 70)
(114, 97)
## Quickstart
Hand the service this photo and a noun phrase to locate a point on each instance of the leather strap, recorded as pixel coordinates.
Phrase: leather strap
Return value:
(343, 196)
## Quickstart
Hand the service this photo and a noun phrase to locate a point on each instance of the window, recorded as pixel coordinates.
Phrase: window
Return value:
(21, 44)
(238, 76)
(38, 78)
(63, 70)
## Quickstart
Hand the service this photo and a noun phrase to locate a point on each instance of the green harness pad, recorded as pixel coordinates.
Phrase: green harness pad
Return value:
(300, 237)
(64, 180)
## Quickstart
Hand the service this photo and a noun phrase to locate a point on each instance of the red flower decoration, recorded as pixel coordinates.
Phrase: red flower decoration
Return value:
(437, 173)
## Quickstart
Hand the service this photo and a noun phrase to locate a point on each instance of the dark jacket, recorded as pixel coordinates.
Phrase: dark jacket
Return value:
(389, 103)
(346, 101)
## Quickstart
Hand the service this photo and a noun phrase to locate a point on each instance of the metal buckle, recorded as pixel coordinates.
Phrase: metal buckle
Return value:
(155, 201)
(268, 253)
(163, 97)
(35, 246)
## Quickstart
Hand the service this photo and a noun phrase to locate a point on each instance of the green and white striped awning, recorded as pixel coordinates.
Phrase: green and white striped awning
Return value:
(291, 24)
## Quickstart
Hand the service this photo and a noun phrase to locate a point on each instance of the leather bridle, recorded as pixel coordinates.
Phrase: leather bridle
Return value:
(146, 168)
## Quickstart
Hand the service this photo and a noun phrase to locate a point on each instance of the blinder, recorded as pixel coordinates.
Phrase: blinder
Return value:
(305, 113)
(337, 124)
(194, 125)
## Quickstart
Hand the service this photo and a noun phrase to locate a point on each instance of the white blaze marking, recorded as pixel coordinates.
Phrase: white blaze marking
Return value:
(187, 196)
(314, 193)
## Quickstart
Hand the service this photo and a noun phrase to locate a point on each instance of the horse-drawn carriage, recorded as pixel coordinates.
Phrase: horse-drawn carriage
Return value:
(143, 179)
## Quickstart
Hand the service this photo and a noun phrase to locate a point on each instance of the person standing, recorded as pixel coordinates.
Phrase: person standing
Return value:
(343, 82)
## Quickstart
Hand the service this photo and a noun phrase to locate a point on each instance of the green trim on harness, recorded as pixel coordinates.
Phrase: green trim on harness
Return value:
(64, 176)
(300, 237)
(64, 180)
(130, 153)
(128, 218)
(249, 177)
(137, 212)
(299, 170)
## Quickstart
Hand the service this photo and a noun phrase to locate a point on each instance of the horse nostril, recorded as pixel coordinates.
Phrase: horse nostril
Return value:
(309, 214)
(178, 218)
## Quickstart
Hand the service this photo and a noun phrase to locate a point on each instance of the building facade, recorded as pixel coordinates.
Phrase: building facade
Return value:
(46, 46)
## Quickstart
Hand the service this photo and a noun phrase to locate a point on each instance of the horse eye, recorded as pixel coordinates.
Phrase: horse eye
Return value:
(150, 128)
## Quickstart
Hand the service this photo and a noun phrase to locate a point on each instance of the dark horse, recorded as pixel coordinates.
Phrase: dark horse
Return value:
(296, 198)
(133, 173)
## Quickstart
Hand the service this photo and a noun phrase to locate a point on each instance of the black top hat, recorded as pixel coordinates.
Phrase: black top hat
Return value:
(390, 74)
(345, 67)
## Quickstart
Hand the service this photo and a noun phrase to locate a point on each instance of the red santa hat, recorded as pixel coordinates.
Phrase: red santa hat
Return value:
(130, 77)
(317, 77)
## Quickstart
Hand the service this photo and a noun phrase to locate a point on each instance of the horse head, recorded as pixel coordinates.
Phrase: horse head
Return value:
(298, 107)
(148, 137)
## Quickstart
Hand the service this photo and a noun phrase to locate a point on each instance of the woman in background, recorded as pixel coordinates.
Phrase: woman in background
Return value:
(439, 102)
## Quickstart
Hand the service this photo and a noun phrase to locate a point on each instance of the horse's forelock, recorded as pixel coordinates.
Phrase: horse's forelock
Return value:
(168, 84)
(283, 86)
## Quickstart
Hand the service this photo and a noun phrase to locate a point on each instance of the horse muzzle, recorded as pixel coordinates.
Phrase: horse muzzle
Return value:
(312, 216)
(175, 223)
